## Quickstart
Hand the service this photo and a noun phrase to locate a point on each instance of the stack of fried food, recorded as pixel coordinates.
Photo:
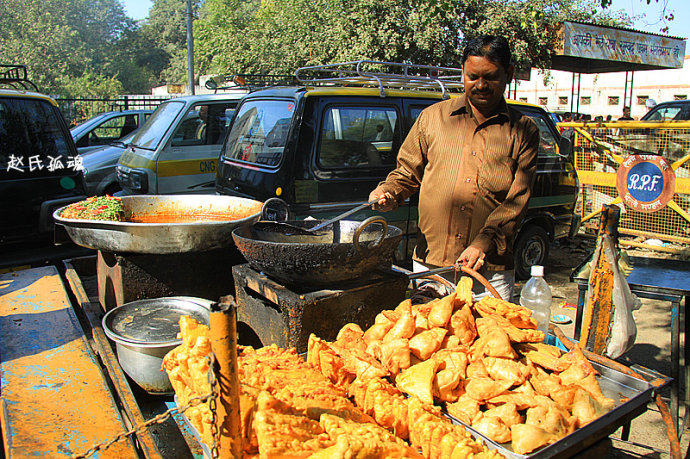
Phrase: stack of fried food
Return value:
(287, 408)
(484, 362)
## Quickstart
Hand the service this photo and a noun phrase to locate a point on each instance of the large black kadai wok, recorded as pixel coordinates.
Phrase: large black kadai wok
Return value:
(343, 251)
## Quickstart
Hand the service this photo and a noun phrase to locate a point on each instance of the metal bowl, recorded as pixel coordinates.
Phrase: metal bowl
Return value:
(165, 237)
(144, 331)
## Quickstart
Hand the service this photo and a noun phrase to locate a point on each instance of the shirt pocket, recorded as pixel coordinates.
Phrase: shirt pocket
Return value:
(497, 176)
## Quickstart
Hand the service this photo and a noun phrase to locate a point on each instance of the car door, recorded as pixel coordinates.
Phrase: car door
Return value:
(352, 149)
(188, 162)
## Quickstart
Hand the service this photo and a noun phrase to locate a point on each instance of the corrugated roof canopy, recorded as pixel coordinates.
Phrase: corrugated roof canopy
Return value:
(588, 48)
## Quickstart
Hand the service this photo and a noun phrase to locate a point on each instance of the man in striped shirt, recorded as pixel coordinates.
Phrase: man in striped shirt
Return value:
(473, 160)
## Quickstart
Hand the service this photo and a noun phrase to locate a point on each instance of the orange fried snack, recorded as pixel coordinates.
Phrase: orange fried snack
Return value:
(418, 380)
(462, 325)
(438, 437)
(464, 409)
(493, 341)
(493, 427)
(517, 335)
(284, 434)
(527, 437)
(187, 367)
(394, 355)
(384, 402)
(405, 326)
(423, 345)
(519, 316)
(441, 311)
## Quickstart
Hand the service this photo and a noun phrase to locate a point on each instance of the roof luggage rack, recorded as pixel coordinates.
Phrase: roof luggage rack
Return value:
(14, 76)
(251, 81)
(383, 75)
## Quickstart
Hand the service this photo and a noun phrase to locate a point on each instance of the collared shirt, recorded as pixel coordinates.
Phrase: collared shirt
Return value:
(474, 180)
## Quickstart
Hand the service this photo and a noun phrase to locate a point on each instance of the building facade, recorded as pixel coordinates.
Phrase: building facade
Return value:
(603, 93)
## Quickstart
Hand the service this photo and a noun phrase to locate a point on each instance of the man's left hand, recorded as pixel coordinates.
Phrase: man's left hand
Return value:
(472, 257)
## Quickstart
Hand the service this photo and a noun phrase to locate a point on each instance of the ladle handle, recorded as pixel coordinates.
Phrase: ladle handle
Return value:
(364, 224)
(343, 215)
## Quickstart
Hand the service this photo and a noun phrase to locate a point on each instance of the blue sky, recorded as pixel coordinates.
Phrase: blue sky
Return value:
(137, 9)
(647, 16)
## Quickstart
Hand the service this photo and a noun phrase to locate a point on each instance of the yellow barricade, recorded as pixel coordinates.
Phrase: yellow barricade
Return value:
(599, 149)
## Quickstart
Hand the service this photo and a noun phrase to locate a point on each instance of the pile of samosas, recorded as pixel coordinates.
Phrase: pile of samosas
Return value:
(484, 362)
(288, 409)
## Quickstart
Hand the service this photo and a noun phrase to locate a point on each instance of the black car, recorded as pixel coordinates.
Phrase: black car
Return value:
(676, 110)
(40, 170)
(322, 149)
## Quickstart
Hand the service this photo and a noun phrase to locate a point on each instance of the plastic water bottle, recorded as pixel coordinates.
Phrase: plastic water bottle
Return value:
(536, 295)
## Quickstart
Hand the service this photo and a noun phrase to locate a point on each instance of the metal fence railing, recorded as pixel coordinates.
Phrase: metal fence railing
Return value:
(78, 110)
(600, 148)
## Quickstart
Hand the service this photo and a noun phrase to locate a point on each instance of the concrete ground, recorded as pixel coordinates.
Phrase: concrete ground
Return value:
(652, 348)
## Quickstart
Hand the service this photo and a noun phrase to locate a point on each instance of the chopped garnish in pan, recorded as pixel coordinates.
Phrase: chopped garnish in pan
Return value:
(96, 208)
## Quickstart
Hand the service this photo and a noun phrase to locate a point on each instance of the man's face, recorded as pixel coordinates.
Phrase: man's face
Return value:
(485, 81)
(626, 111)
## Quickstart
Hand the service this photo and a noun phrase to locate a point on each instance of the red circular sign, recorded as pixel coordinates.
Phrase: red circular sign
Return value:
(645, 182)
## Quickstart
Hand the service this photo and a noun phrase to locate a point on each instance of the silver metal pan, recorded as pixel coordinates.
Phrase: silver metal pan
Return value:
(165, 237)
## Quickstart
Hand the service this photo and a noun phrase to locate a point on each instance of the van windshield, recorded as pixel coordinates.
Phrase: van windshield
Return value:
(259, 132)
(153, 131)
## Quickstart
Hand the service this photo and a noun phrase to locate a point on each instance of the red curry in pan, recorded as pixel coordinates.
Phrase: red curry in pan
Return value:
(110, 208)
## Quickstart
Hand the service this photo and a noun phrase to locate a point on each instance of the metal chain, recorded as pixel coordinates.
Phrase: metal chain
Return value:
(159, 419)
(212, 406)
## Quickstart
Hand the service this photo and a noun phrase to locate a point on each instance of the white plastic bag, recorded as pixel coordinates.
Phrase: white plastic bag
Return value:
(623, 330)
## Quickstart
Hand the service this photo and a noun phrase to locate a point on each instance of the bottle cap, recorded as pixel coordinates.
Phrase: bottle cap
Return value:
(537, 270)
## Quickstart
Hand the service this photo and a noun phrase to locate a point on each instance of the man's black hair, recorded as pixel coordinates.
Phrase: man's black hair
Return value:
(493, 47)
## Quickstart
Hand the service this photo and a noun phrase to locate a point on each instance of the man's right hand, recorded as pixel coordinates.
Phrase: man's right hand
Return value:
(386, 201)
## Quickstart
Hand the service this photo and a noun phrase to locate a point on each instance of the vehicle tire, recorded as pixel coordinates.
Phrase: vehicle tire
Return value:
(531, 248)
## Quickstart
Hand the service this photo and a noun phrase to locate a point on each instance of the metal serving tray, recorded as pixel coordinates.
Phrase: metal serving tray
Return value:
(164, 238)
(195, 433)
(615, 385)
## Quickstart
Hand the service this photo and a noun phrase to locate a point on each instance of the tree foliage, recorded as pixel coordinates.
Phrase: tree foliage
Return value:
(89, 47)
(60, 40)
(166, 29)
(278, 36)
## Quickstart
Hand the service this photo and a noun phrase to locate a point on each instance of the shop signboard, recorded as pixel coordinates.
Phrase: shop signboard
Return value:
(621, 45)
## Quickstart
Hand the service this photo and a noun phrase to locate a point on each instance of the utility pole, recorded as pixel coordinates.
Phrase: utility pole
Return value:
(190, 48)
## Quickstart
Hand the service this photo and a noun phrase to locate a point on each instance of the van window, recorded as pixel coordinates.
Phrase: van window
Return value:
(151, 133)
(357, 137)
(260, 132)
(30, 131)
(204, 124)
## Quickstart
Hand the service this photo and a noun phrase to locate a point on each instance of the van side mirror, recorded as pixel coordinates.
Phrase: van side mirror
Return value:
(565, 147)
